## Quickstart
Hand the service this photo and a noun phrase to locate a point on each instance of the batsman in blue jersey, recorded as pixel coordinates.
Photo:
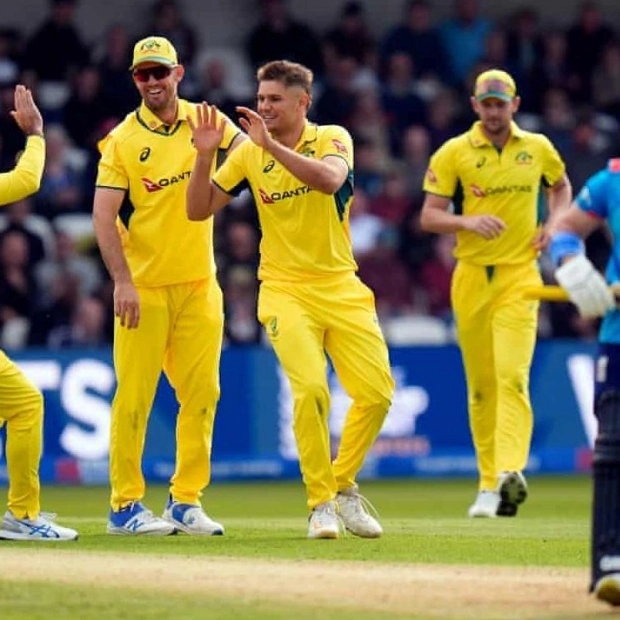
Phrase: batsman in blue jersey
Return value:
(598, 204)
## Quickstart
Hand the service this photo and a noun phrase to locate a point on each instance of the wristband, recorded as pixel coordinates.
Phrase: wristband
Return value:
(565, 244)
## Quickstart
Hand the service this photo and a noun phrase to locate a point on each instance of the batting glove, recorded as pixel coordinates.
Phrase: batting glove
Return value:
(585, 286)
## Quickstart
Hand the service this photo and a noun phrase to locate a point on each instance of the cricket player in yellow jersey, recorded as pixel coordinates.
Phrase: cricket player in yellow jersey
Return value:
(494, 175)
(167, 302)
(310, 301)
(21, 403)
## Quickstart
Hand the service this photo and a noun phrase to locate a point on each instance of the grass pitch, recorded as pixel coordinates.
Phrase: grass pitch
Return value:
(425, 525)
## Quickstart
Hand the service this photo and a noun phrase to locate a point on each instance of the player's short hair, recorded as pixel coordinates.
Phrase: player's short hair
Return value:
(286, 72)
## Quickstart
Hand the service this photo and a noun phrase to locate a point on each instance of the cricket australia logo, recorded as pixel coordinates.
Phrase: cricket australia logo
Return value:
(149, 46)
(523, 158)
(272, 327)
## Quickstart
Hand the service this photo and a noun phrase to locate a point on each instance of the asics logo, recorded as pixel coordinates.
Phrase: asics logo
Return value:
(44, 531)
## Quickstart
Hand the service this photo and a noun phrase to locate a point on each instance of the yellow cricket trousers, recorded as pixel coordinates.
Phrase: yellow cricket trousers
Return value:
(496, 329)
(180, 331)
(21, 405)
(334, 315)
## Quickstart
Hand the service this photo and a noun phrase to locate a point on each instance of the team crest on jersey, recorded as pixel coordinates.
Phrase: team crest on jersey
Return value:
(340, 147)
(523, 158)
(150, 186)
(477, 191)
(431, 177)
(265, 197)
(144, 153)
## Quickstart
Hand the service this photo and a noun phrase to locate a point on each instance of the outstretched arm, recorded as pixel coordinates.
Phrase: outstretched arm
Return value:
(326, 175)
(25, 178)
(203, 197)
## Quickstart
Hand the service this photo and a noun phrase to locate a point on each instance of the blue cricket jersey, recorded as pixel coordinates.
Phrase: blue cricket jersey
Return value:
(600, 197)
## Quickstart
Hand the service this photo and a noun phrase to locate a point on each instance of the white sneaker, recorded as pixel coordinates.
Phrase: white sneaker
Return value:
(354, 512)
(485, 505)
(41, 528)
(136, 520)
(512, 488)
(191, 519)
(607, 589)
(324, 521)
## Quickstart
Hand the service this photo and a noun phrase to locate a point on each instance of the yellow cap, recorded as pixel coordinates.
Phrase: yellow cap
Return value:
(154, 49)
(495, 83)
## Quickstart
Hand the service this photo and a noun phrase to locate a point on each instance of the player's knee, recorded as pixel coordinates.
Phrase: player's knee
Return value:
(607, 444)
(313, 392)
(30, 411)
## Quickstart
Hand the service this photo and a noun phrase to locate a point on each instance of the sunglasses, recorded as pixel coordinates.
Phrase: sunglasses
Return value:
(159, 73)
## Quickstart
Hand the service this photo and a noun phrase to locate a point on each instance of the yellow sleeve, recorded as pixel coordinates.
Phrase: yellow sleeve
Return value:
(25, 178)
(230, 177)
(336, 141)
(111, 172)
(231, 131)
(553, 166)
(441, 176)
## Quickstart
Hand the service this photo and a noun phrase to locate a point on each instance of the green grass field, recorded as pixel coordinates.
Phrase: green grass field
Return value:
(424, 522)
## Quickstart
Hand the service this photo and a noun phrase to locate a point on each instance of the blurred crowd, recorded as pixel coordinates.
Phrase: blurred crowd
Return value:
(401, 93)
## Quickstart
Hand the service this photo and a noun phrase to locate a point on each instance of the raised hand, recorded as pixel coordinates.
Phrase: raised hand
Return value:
(26, 113)
(206, 131)
(252, 123)
(487, 226)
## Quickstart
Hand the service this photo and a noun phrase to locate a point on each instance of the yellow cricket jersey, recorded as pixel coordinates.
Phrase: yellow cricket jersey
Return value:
(152, 163)
(483, 181)
(25, 178)
(305, 232)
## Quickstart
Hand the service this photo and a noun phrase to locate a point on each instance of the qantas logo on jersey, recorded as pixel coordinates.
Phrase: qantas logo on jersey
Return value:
(502, 189)
(274, 197)
(155, 186)
(340, 147)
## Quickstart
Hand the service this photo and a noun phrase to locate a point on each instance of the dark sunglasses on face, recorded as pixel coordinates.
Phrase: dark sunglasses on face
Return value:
(159, 73)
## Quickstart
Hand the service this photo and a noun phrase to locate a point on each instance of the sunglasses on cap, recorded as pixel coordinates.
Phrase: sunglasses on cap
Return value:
(159, 72)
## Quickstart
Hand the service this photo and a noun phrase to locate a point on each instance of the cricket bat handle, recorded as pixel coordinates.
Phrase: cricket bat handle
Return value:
(553, 292)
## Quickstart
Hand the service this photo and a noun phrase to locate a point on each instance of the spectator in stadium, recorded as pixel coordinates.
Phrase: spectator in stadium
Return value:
(61, 188)
(586, 39)
(86, 107)
(56, 50)
(417, 37)
(117, 91)
(351, 36)
(279, 35)
(463, 37)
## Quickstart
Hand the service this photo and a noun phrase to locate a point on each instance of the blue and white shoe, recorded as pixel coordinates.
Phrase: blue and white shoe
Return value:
(136, 520)
(191, 519)
(41, 528)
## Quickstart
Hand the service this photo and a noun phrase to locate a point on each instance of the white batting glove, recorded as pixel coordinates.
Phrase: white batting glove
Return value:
(585, 286)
